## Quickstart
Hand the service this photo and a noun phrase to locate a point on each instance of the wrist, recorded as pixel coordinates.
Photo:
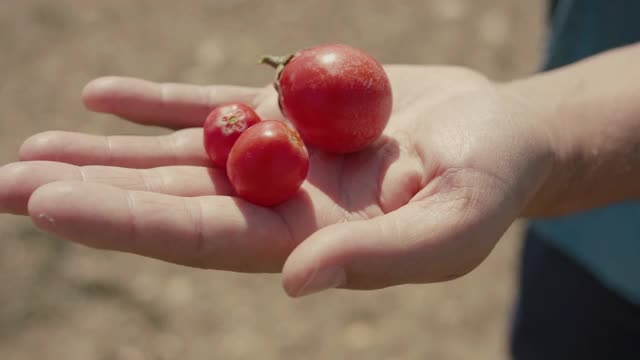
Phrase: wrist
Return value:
(591, 119)
(554, 167)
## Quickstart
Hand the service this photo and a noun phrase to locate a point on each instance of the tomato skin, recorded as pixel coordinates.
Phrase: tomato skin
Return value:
(268, 163)
(222, 128)
(339, 98)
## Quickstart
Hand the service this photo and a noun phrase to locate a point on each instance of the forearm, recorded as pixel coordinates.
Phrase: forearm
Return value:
(591, 112)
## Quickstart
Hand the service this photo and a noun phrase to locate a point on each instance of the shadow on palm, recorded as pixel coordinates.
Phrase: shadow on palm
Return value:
(387, 174)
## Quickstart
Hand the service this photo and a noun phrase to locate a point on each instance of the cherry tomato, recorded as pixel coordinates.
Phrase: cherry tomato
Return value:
(222, 128)
(268, 163)
(338, 97)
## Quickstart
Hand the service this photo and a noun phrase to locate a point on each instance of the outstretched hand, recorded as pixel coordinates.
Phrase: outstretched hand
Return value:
(456, 165)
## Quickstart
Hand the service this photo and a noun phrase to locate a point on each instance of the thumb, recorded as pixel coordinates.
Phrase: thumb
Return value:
(418, 243)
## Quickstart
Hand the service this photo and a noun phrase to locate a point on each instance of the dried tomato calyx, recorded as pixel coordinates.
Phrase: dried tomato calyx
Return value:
(278, 63)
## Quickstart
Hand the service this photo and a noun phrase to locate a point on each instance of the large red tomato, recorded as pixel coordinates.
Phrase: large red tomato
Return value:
(337, 97)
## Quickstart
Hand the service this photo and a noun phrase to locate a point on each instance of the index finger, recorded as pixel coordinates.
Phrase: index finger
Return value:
(169, 105)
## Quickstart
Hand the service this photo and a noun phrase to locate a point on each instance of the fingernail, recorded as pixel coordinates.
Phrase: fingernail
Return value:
(324, 279)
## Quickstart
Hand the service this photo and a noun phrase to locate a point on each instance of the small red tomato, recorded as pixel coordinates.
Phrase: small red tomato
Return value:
(268, 163)
(338, 97)
(222, 128)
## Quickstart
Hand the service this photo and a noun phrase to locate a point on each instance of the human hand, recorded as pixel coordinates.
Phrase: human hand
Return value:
(456, 165)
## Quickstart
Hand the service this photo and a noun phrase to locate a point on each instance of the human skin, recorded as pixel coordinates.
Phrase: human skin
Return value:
(461, 158)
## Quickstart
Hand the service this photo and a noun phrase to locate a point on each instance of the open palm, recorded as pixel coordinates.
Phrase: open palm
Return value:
(426, 202)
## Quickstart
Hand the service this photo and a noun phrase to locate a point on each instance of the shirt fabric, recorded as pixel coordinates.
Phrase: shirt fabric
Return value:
(606, 240)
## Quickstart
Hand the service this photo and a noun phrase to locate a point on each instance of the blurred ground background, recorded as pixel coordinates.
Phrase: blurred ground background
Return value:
(63, 301)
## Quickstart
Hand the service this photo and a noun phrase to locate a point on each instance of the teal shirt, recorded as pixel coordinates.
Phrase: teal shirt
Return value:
(607, 240)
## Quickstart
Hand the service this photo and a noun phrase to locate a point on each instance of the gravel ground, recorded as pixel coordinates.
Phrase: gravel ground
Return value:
(64, 301)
